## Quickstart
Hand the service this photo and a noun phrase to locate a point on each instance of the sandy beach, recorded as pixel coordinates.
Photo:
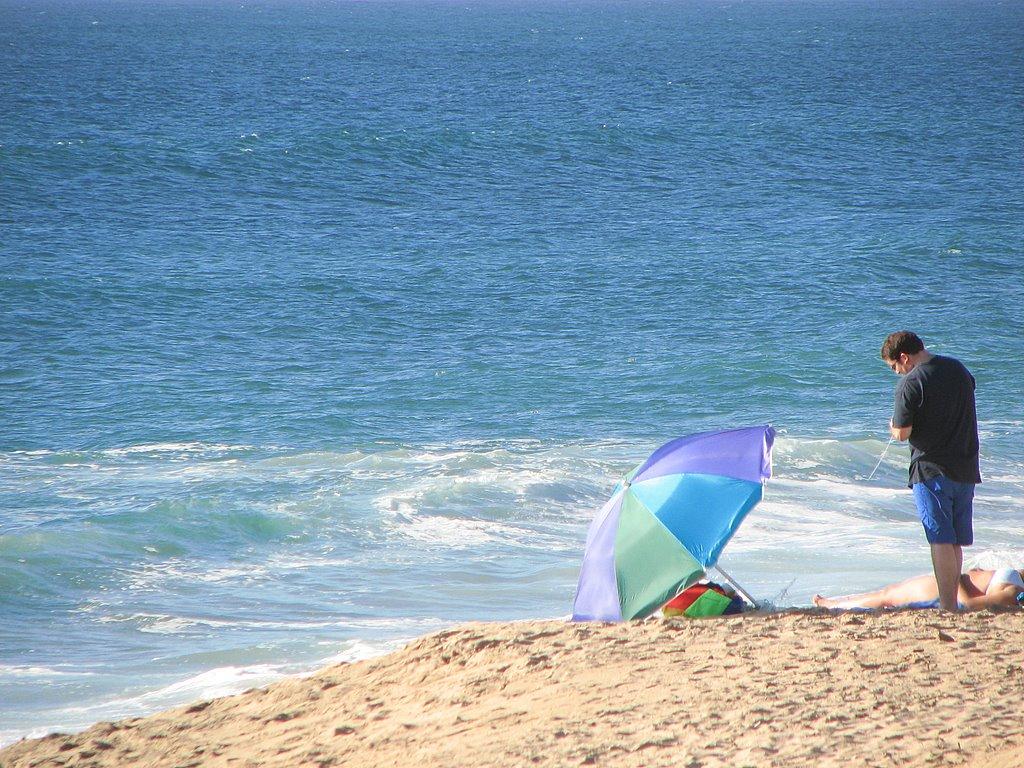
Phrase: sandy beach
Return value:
(798, 688)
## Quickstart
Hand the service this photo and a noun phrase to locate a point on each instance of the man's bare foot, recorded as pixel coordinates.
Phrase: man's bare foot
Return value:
(822, 602)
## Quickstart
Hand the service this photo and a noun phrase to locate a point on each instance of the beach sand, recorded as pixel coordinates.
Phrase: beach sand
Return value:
(798, 688)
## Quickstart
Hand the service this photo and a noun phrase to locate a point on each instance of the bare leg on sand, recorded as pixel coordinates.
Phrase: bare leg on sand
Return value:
(917, 589)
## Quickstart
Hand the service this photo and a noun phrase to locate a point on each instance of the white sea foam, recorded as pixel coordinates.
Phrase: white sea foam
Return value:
(238, 573)
(514, 480)
(279, 563)
(403, 625)
(23, 670)
(165, 448)
(173, 625)
(359, 651)
(827, 487)
(222, 681)
(213, 683)
(11, 735)
(158, 623)
(314, 460)
(455, 533)
(994, 559)
(152, 575)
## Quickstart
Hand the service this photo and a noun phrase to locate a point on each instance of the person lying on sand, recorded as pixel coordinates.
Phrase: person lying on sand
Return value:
(978, 589)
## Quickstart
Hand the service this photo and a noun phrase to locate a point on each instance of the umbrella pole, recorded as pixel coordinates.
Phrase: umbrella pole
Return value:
(739, 590)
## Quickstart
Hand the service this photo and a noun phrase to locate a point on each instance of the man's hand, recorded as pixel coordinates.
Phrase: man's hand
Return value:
(899, 433)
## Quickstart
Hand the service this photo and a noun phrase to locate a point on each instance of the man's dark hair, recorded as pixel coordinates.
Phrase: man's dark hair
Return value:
(899, 343)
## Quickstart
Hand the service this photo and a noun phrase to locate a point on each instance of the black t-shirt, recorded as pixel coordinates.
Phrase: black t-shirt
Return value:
(937, 400)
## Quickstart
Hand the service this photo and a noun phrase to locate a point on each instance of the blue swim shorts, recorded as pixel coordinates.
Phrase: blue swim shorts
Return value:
(945, 508)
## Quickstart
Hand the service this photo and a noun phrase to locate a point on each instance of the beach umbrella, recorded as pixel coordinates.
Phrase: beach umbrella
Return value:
(668, 520)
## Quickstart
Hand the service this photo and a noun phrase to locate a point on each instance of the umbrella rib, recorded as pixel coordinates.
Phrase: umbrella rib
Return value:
(735, 585)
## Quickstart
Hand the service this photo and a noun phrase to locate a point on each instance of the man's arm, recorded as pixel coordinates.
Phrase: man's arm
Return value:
(899, 433)
(908, 399)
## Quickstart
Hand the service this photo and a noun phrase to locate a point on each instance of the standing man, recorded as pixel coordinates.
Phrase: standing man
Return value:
(935, 410)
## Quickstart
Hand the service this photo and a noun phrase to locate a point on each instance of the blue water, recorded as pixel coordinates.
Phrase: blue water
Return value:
(325, 325)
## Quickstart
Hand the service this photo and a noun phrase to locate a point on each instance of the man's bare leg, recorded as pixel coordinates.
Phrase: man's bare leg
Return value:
(947, 562)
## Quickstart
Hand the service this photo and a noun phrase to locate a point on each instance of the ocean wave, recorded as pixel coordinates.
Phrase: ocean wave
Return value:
(320, 540)
(507, 484)
(26, 670)
(224, 680)
(212, 683)
(167, 624)
(515, 493)
(162, 624)
(516, 464)
(360, 651)
(188, 448)
(459, 533)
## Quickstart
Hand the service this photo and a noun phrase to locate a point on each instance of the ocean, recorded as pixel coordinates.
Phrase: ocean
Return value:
(325, 325)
